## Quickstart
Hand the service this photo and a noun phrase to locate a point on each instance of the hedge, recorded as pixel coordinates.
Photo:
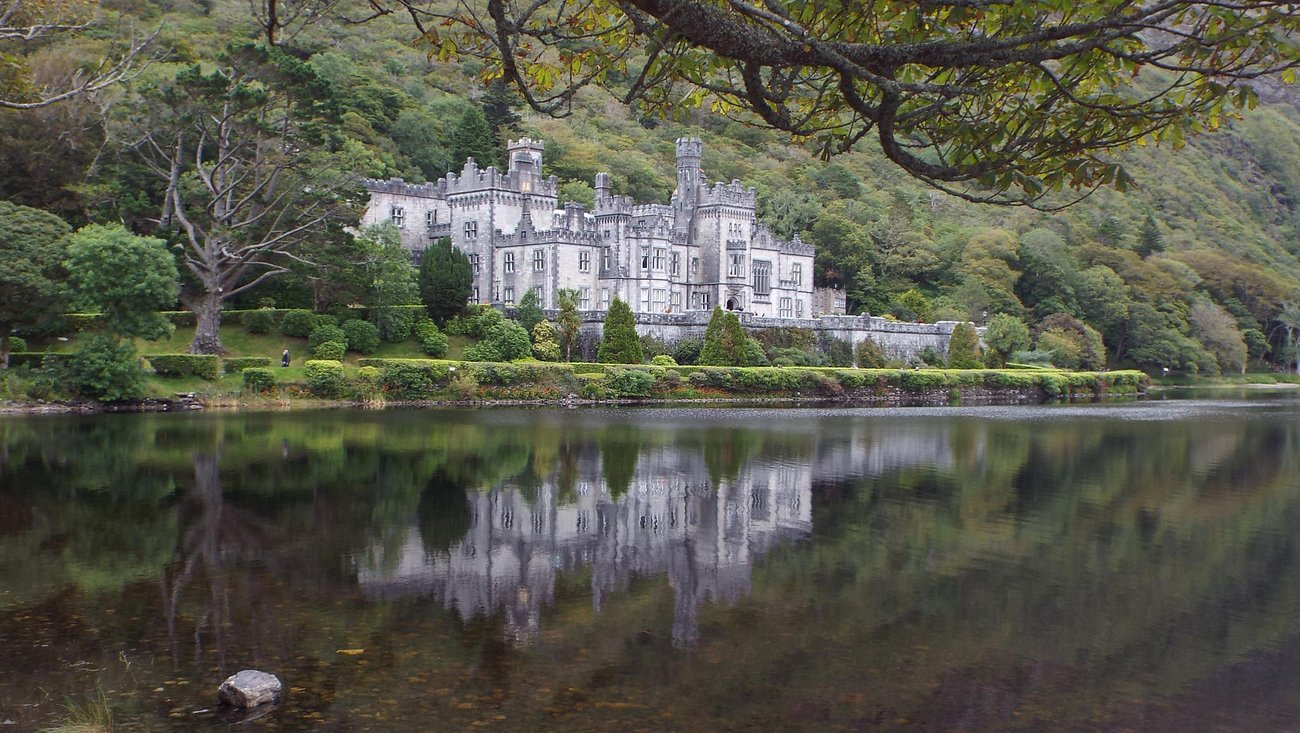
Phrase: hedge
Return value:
(240, 363)
(204, 366)
(325, 378)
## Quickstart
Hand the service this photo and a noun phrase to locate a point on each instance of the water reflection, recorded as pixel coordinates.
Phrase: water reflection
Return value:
(1081, 568)
(656, 518)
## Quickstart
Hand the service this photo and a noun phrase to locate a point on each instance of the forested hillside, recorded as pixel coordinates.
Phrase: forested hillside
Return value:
(1197, 268)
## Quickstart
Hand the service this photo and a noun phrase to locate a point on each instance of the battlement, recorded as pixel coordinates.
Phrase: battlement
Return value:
(730, 194)
(797, 246)
(398, 187)
(473, 179)
(689, 150)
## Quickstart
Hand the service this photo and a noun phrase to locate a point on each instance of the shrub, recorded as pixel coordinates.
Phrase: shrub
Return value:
(1031, 358)
(432, 341)
(361, 336)
(298, 323)
(17, 344)
(664, 360)
(412, 380)
(724, 340)
(754, 355)
(330, 351)
(259, 321)
(240, 363)
(506, 341)
(546, 344)
(103, 370)
(394, 323)
(630, 382)
(835, 351)
(464, 385)
(325, 378)
(367, 381)
(259, 379)
(326, 332)
(931, 357)
(204, 366)
(869, 355)
(687, 351)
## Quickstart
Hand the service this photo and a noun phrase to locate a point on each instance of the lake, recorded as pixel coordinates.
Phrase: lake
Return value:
(1101, 567)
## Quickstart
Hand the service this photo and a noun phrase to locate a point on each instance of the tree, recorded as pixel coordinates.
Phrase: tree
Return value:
(1150, 239)
(964, 347)
(568, 321)
(992, 101)
(1004, 336)
(1218, 332)
(472, 138)
(545, 345)
(127, 278)
(446, 280)
(529, 310)
(724, 340)
(29, 24)
(248, 175)
(32, 292)
(619, 344)
(387, 275)
(499, 105)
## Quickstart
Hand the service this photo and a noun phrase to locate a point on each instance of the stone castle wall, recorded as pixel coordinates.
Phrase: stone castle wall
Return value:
(902, 341)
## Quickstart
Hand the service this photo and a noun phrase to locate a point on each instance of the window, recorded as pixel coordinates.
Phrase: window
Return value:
(539, 260)
(584, 298)
(695, 265)
(584, 261)
(735, 230)
(798, 308)
(701, 301)
(787, 308)
(431, 217)
(796, 273)
(675, 301)
(604, 258)
(676, 266)
(475, 295)
(645, 259)
(736, 266)
(471, 230)
(604, 298)
(398, 215)
(475, 263)
(508, 262)
(658, 300)
(762, 277)
(510, 295)
(657, 261)
(645, 300)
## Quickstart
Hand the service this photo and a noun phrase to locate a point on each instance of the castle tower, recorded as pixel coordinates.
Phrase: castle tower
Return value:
(525, 156)
(689, 175)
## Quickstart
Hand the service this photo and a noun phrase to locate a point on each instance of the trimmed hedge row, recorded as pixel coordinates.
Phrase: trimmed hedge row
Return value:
(204, 366)
(240, 363)
(36, 359)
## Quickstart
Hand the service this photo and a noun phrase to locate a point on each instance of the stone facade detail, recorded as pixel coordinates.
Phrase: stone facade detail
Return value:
(705, 247)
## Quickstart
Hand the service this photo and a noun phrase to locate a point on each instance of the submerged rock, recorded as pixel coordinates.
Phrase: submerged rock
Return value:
(249, 688)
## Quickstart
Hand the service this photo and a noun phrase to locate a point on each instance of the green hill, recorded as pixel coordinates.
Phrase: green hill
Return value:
(1197, 268)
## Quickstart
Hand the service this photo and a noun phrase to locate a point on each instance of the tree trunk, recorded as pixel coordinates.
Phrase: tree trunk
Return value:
(207, 326)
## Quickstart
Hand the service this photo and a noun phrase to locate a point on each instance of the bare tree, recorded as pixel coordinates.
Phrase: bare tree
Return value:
(247, 177)
(25, 24)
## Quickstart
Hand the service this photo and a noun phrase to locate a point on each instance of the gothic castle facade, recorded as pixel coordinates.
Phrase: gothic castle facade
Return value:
(704, 248)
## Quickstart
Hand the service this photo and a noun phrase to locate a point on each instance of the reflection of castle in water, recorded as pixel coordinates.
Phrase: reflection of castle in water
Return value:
(669, 521)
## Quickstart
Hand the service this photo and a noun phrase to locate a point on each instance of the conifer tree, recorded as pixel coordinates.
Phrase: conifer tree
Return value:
(619, 344)
(724, 340)
(529, 311)
(1150, 239)
(445, 280)
(472, 138)
(964, 347)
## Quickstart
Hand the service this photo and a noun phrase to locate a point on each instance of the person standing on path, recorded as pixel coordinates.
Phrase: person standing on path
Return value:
(284, 358)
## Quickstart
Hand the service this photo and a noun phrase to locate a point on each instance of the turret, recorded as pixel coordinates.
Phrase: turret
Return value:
(689, 176)
(525, 156)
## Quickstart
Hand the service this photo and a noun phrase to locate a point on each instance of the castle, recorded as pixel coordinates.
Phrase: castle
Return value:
(705, 248)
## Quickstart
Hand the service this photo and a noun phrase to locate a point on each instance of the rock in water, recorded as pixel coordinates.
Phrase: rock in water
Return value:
(249, 688)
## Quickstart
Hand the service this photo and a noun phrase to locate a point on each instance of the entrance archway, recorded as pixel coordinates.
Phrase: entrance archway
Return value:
(731, 304)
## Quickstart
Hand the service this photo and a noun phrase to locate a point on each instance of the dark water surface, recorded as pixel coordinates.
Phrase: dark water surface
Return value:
(1070, 568)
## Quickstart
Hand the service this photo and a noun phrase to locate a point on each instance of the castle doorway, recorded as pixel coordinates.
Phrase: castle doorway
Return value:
(731, 304)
